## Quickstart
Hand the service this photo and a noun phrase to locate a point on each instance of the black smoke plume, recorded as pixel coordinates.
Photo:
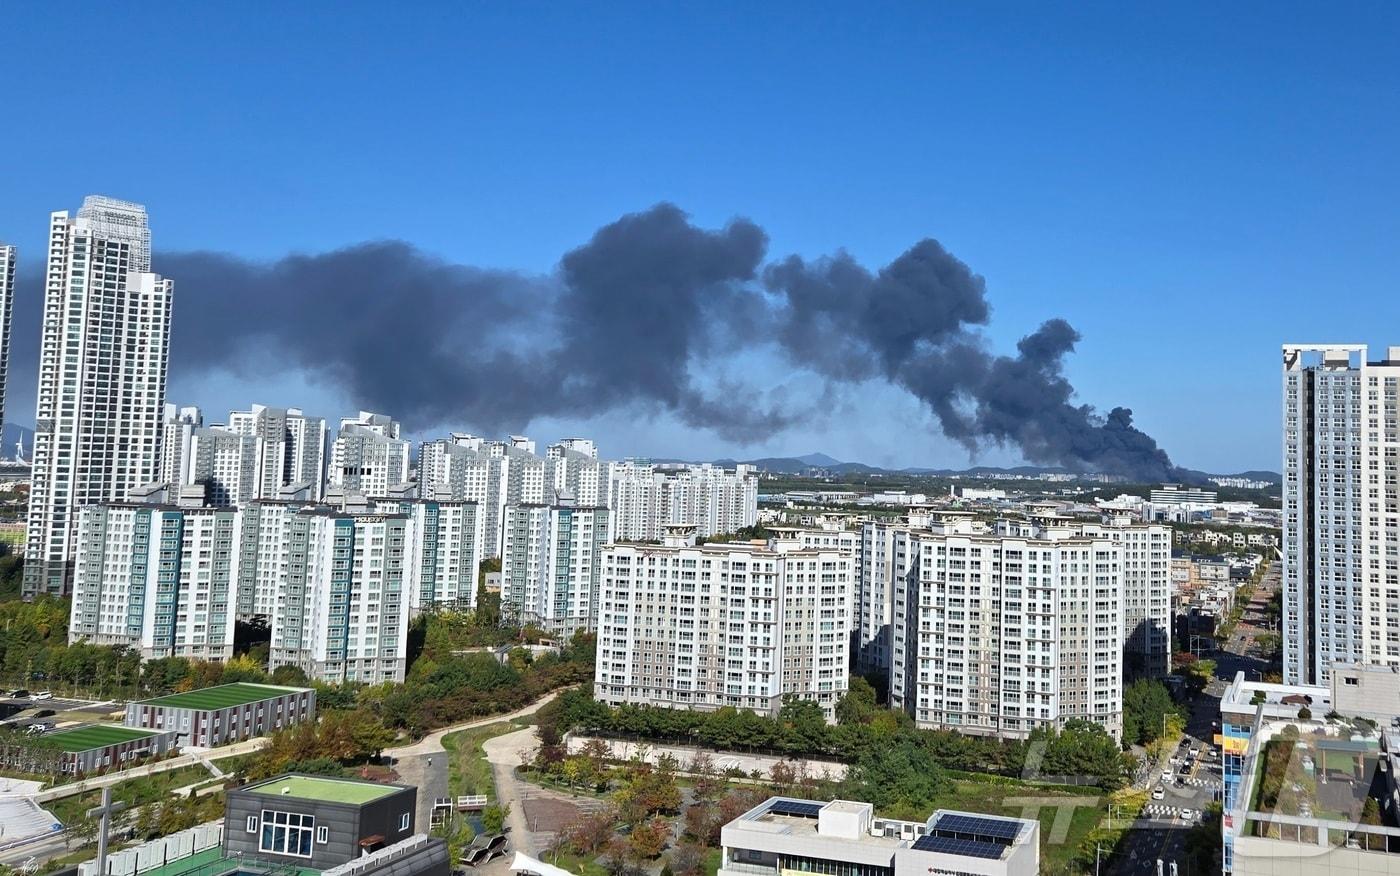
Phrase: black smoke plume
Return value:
(631, 321)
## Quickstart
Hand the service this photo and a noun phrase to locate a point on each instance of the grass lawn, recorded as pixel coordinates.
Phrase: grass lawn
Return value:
(988, 798)
(133, 792)
(467, 769)
(589, 867)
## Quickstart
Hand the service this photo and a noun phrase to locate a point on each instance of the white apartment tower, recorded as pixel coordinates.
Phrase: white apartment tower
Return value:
(176, 429)
(290, 450)
(102, 366)
(734, 624)
(368, 456)
(550, 566)
(1341, 510)
(1147, 586)
(997, 632)
(158, 579)
(645, 497)
(341, 612)
(8, 258)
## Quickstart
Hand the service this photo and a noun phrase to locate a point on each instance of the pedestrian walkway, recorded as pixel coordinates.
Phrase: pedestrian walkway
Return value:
(432, 743)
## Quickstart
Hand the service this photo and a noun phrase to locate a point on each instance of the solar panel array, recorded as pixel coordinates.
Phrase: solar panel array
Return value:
(991, 828)
(952, 846)
(793, 807)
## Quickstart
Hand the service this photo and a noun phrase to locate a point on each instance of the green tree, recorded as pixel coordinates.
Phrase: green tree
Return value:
(857, 705)
(493, 818)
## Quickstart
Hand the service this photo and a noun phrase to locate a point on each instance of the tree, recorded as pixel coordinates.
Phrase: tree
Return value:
(292, 676)
(857, 704)
(648, 839)
(686, 859)
(1146, 704)
(493, 818)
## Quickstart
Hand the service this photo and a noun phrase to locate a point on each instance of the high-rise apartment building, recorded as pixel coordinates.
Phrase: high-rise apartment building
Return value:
(176, 429)
(8, 260)
(368, 456)
(445, 552)
(102, 367)
(290, 450)
(156, 578)
(550, 566)
(341, 612)
(999, 631)
(645, 497)
(723, 624)
(1341, 510)
(1147, 586)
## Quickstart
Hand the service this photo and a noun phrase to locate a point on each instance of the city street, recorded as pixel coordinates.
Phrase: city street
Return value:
(1194, 783)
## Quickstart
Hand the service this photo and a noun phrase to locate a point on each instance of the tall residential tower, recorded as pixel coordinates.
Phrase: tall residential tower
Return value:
(104, 348)
(1341, 510)
(7, 305)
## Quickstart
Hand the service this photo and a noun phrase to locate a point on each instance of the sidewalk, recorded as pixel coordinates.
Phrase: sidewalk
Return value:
(432, 743)
(194, 757)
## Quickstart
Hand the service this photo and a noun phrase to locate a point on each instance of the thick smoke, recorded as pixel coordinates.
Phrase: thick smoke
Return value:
(630, 321)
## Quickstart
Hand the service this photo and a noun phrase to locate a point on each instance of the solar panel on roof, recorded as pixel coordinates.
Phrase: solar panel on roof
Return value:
(966, 848)
(794, 807)
(995, 828)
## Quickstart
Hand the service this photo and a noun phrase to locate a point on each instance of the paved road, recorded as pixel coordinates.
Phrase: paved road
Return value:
(432, 743)
(424, 763)
(1161, 834)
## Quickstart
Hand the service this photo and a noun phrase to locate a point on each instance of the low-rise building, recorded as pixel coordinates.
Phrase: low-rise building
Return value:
(317, 821)
(784, 835)
(295, 825)
(88, 749)
(223, 714)
(1308, 787)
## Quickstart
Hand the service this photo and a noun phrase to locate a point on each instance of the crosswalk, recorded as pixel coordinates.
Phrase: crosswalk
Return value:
(1163, 809)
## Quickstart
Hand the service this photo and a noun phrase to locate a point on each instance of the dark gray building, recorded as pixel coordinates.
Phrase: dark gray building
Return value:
(317, 822)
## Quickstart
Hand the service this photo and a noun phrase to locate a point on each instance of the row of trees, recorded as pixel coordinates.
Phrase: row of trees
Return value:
(880, 745)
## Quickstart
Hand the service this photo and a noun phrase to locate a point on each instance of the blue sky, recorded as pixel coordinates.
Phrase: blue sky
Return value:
(1190, 186)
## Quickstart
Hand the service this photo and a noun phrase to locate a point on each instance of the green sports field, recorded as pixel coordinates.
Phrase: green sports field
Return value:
(95, 736)
(221, 697)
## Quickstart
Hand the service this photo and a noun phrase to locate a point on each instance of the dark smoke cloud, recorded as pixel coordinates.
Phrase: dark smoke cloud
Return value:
(643, 317)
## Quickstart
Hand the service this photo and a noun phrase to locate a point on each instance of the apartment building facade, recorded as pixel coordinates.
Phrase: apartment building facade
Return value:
(1000, 631)
(734, 624)
(1341, 503)
(103, 356)
(550, 566)
(290, 450)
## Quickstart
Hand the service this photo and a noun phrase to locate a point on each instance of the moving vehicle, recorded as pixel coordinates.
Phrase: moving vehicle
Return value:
(19, 694)
(1159, 792)
(42, 695)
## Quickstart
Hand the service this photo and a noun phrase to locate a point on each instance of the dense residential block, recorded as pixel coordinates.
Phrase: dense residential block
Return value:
(1341, 507)
(290, 451)
(737, 624)
(368, 456)
(102, 369)
(223, 714)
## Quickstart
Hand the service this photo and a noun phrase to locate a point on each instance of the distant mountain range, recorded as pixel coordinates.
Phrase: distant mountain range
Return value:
(797, 465)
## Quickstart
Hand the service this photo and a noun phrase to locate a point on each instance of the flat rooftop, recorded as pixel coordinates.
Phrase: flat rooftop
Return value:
(96, 736)
(325, 790)
(222, 697)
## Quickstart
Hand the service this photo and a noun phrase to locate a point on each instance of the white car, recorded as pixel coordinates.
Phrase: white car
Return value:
(1166, 775)
(42, 695)
(1188, 815)
(1159, 792)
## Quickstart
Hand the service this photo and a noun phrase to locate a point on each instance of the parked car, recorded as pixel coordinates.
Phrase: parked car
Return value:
(42, 695)
(19, 694)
